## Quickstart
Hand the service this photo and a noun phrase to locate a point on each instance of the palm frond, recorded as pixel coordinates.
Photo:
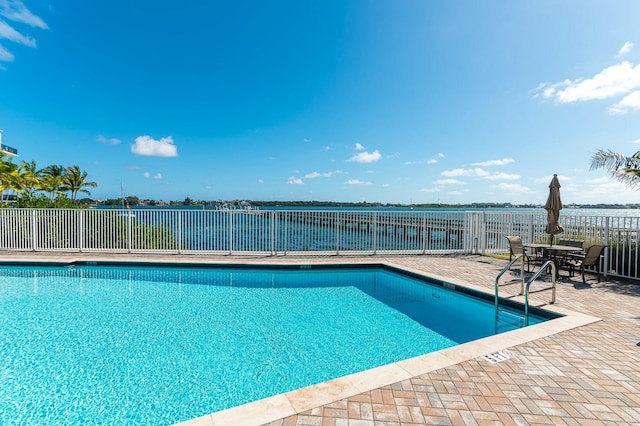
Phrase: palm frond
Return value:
(621, 167)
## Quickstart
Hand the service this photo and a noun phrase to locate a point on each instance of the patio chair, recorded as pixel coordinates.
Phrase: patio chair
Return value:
(568, 259)
(590, 259)
(516, 248)
(571, 243)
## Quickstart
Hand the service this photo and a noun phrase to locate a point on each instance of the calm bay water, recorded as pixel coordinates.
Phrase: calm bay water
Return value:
(208, 228)
(565, 211)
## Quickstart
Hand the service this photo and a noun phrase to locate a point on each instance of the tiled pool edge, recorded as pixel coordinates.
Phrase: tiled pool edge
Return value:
(297, 401)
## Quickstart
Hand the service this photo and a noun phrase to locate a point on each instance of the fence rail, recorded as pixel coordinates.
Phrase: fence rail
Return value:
(313, 232)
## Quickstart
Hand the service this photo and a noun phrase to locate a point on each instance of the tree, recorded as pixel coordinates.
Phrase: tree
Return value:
(51, 180)
(620, 167)
(29, 178)
(74, 181)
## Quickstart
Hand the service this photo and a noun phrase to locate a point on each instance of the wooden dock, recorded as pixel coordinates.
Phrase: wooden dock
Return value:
(414, 227)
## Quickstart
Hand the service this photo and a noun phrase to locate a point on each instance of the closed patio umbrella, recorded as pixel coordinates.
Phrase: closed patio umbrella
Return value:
(553, 207)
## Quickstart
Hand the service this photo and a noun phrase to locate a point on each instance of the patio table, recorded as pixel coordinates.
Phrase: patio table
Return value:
(553, 252)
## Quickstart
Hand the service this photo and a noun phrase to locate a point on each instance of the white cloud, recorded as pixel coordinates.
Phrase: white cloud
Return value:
(449, 182)
(306, 140)
(626, 48)
(514, 188)
(16, 11)
(500, 162)
(108, 141)
(503, 176)
(613, 81)
(429, 190)
(147, 175)
(9, 33)
(147, 146)
(606, 188)
(295, 181)
(260, 181)
(465, 172)
(357, 182)
(314, 175)
(359, 146)
(631, 101)
(5, 55)
(602, 179)
(431, 161)
(365, 157)
(435, 159)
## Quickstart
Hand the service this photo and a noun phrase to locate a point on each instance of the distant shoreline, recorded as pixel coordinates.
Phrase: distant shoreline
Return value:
(134, 201)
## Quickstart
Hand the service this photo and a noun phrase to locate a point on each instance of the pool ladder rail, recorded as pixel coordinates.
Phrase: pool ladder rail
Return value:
(525, 286)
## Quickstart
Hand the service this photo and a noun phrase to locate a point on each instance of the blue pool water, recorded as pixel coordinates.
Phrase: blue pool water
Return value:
(114, 345)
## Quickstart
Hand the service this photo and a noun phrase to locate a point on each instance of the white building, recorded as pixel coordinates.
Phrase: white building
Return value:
(7, 150)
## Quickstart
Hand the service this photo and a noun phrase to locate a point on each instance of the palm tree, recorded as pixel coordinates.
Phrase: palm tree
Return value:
(75, 181)
(29, 177)
(51, 180)
(623, 168)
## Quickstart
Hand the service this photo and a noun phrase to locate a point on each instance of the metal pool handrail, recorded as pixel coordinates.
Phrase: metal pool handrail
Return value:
(524, 287)
(505, 269)
(545, 265)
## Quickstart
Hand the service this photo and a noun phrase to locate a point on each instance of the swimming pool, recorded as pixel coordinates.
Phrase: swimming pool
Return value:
(157, 345)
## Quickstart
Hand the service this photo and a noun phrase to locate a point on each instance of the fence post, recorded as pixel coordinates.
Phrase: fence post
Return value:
(466, 234)
(285, 240)
(375, 232)
(129, 233)
(483, 234)
(272, 232)
(230, 214)
(179, 232)
(34, 230)
(337, 232)
(605, 268)
(80, 223)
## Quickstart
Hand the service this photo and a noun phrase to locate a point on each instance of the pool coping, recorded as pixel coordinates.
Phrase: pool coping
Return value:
(300, 400)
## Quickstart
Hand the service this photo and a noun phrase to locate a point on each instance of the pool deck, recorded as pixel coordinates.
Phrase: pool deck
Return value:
(582, 369)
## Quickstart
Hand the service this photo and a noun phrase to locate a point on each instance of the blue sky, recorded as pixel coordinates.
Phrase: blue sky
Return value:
(393, 101)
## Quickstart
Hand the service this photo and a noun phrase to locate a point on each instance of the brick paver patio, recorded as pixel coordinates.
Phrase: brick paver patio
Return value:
(589, 375)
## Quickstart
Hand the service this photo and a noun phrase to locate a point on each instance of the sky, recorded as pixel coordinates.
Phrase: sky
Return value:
(391, 101)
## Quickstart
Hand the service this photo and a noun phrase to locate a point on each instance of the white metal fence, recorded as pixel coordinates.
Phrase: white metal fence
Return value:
(313, 232)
